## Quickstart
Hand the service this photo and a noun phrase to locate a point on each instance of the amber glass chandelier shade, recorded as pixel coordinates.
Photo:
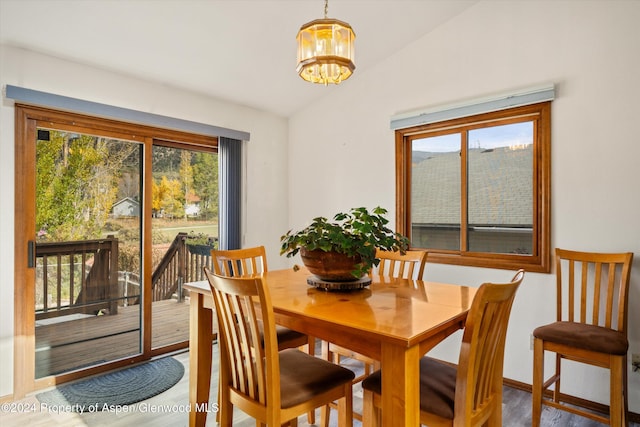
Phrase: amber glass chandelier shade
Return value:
(325, 51)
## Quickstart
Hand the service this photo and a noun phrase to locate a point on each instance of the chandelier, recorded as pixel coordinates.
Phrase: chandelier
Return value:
(325, 50)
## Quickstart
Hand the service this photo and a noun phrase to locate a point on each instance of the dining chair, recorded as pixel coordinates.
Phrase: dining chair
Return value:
(471, 393)
(253, 261)
(393, 264)
(590, 327)
(273, 386)
(246, 262)
(408, 265)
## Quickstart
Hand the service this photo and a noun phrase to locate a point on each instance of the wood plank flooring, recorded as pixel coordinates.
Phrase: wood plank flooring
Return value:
(170, 409)
(90, 340)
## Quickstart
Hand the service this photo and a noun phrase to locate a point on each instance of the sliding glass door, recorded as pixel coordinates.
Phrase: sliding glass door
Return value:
(87, 250)
(112, 219)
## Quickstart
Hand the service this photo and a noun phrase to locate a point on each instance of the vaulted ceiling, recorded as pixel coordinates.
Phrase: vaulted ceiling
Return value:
(243, 51)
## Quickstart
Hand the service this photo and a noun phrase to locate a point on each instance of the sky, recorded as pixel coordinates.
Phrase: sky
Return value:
(485, 138)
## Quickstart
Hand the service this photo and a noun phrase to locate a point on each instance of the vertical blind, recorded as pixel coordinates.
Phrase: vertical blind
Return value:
(230, 178)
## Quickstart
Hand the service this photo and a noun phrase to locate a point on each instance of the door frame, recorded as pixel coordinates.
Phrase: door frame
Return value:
(27, 119)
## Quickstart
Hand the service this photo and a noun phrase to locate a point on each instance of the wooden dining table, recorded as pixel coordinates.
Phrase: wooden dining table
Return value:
(395, 321)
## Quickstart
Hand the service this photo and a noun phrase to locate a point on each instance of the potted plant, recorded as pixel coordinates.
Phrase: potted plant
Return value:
(200, 243)
(345, 248)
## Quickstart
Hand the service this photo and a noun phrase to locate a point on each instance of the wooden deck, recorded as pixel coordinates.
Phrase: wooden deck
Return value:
(86, 341)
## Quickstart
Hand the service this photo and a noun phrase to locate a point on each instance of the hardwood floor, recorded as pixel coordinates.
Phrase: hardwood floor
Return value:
(170, 409)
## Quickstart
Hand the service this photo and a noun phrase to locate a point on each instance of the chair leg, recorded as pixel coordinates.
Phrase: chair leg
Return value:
(369, 412)
(324, 415)
(226, 413)
(325, 412)
(538, 378)
(625, 390)
(495, 418)
(345, 408)
(311, 349)
(616, 399)
(556, 390)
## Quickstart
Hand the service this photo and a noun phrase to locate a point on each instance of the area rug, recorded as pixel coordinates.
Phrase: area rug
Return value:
(119, 388)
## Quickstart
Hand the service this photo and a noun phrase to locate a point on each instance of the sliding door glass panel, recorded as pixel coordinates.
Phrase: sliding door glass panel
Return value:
(500, 209)
(185, 229)
(88, 222)
(435, 192)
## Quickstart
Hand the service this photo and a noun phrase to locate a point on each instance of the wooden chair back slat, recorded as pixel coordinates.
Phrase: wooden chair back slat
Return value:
(479, 376)
(239, 262)
(250, 364)
(592, 288)
(249, 361)
(409, 265)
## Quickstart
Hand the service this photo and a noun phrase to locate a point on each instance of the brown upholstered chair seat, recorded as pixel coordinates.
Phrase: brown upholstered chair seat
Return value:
(303, 376)
(587, 337)
(286, 334)
(437, 387)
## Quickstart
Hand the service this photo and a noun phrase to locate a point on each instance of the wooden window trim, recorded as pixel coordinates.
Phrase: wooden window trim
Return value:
(540, 260)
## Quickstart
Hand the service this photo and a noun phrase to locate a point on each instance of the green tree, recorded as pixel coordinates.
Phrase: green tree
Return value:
(205, 183)
(186, 176)
(77, 184)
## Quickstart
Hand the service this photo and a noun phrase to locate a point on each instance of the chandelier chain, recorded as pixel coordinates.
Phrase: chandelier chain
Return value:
(326, 8)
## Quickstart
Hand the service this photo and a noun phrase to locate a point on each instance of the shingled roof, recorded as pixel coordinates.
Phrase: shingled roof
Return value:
(500, 187)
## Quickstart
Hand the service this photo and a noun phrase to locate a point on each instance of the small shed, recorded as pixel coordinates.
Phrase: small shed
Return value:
(127, 207)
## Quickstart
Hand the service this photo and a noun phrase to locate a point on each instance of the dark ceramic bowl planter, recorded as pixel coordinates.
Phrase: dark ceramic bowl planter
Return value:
(330, 266)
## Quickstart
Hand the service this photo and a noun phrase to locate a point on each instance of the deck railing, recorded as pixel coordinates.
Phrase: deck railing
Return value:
(77, 277)
(83, 277)
(181, 263)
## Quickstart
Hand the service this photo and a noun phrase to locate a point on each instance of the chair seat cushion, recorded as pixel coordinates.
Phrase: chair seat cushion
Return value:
(303, 376)
(437, 387)
(286, 335)
(587, 337)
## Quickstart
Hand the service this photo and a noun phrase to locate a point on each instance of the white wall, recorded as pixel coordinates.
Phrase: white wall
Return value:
(266, 155)
(591, 51)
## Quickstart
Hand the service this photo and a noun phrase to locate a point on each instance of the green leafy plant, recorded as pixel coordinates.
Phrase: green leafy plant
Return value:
(356, 233)
(194, 239)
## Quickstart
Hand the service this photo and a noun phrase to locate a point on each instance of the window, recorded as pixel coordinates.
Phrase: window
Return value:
(475, 190)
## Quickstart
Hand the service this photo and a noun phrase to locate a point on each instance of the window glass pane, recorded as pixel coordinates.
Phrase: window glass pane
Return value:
(88, 299)
(435, 192)
(185, 230)
(500, 182)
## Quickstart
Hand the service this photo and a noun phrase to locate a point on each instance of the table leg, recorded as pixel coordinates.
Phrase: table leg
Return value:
(400, 386)
(200, 333)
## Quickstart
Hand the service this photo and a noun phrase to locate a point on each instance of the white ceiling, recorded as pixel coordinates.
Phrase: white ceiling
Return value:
(243, 51)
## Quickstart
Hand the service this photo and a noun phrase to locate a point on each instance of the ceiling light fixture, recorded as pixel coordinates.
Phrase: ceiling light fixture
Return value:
(325, 50)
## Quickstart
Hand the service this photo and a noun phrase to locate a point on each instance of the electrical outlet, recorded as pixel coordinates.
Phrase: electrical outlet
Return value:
(635, 363)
